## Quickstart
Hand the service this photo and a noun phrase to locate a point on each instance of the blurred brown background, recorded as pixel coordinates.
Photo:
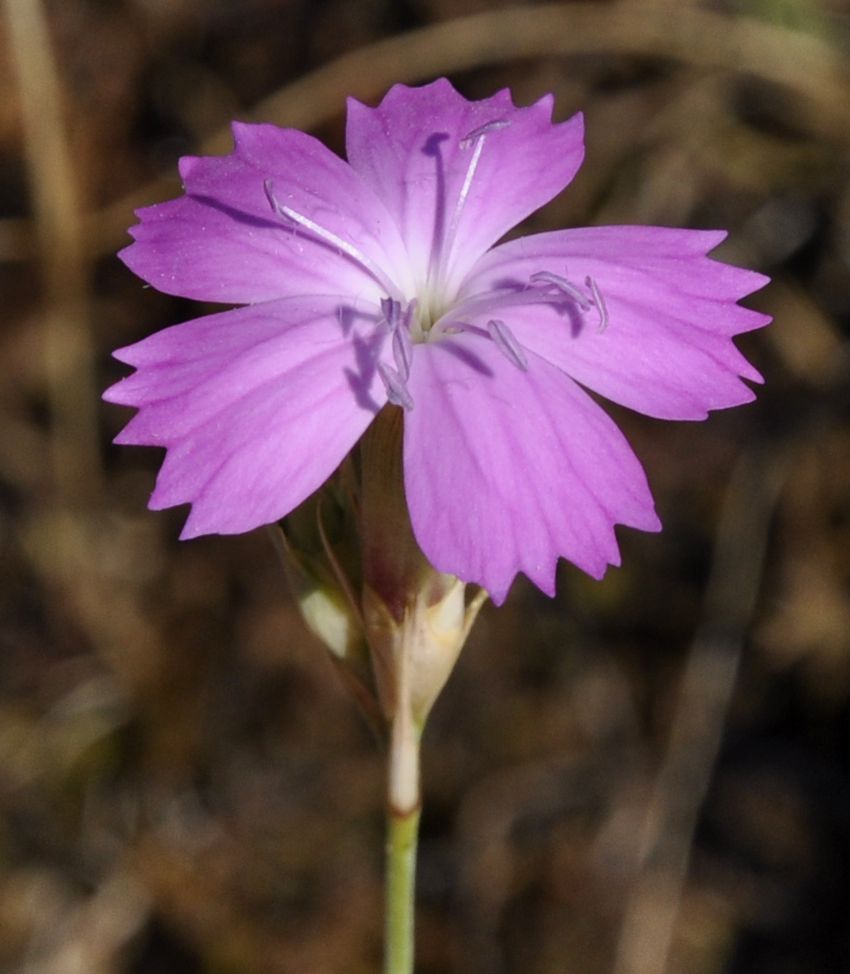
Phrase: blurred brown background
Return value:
(645, 775)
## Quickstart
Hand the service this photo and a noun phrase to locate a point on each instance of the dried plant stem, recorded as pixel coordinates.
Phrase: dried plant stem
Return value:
(68, 355)
(806, 65)
(646, 937)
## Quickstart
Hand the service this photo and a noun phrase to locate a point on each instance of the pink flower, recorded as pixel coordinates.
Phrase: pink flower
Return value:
(379, 280)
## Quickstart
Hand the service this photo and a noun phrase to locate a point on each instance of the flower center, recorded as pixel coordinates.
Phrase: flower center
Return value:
(431, 316)
(409, 327)
(544, 287)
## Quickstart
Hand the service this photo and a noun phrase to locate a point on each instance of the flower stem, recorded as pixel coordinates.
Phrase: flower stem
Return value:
(402, 832)
(403, 807)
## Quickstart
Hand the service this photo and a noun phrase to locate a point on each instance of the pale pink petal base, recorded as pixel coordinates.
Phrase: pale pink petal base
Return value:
(506, 471)
(256, 407)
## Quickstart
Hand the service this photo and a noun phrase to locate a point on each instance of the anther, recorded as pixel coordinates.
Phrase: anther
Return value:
(507, 344)
(563, 285)
(328, 237)
(599, 301)
(397, 391)
(482, 130)
(391, 310)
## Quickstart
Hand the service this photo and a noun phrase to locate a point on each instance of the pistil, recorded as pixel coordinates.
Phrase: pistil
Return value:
(441, 260)
(330, 238)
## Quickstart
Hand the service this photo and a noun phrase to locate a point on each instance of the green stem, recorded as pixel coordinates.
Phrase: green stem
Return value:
(402, 831)
(403, 804)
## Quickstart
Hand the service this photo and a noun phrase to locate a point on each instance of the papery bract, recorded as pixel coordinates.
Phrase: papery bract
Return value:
(380, 280)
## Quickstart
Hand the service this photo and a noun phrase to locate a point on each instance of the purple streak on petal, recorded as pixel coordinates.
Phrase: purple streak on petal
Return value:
(519, 469)
(408, 150)
(256, 408)
(507, 344)
(219, 242)
(668, 352)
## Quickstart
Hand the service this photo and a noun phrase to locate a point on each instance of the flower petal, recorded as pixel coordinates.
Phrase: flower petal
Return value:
(414, 150)
(222, 242)
(666, 348)
(256, 407)
(507, 470)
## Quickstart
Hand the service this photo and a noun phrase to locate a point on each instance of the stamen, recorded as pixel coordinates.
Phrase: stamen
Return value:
(403, 352)
(562, 284)
(397, 391)
(476, 137)
(391, 310)
(507, 344)
(599, 301)
(482, 130)
(499, 299)
(293, 216)
(464, 190)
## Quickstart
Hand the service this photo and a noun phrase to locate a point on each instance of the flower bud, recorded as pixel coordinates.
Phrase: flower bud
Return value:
(415, 616)
(393, 623)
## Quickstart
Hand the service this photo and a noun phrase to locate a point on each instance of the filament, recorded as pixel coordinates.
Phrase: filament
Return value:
(506, 342)
(328, 237)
